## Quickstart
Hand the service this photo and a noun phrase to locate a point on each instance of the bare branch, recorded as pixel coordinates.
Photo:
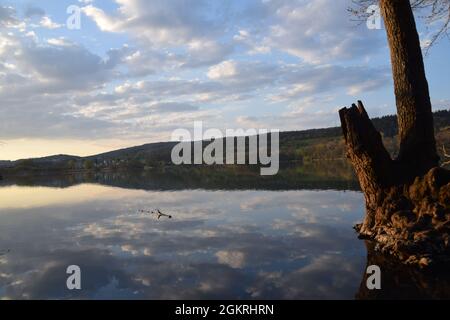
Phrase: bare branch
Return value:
(432, 12)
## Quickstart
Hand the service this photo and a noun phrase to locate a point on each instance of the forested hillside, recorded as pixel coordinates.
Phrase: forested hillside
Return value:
(295, 146)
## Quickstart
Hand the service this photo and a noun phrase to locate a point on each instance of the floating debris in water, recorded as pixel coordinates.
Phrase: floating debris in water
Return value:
(156, 212)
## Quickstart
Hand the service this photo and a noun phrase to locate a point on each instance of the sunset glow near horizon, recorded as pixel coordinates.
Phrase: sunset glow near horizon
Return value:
(136, 70)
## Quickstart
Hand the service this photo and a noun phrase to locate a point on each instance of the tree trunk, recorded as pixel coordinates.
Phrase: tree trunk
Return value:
(371, 161)
(407, 199)
(415, 118)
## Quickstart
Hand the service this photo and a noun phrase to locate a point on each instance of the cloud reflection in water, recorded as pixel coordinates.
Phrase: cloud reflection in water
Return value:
(221, 244)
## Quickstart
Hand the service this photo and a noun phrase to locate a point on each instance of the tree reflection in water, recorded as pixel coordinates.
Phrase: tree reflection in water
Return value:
(401, 282)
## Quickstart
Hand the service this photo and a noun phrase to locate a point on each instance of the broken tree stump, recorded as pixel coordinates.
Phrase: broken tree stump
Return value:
(408, 216)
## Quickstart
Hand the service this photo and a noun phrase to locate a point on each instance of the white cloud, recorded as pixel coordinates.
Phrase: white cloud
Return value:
(61, 41)
(103, 21)
(225, 69)
(172, 26)
(278, 63)
(234, 259)
(47, 23)
(7, 18)
(320, 31)
(163, 22)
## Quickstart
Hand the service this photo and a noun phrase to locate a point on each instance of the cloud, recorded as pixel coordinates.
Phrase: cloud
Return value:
(32, 11)
(234, 259)
(103, 21)
(40, 81)
(174, 22)
(203, 252)
(61, 41)
(206, 52)
(319, 31)
(172, 107)
(55, 67)
(226, 69)
(7, 18)
(46, 22)
(184, 26)
(65, 83)
(236, 80)
(278, 63)
(308, 79)
(70, 64)
(442, 104)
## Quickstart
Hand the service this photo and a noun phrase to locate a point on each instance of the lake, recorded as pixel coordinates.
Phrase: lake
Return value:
(219, 244)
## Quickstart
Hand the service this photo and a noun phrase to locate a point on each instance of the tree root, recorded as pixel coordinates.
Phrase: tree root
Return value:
(412, 221)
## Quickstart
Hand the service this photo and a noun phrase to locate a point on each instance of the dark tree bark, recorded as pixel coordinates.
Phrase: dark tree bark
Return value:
(371, 161)
(415, 118)
(408, 198)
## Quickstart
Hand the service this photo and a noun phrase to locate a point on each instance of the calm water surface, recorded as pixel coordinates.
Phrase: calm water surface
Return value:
(246, 244)
(219, 244)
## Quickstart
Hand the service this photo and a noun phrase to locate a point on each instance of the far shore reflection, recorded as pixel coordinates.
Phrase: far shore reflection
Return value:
(335, 175)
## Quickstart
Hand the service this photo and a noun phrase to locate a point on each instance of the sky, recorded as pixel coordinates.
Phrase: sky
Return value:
(134, 71)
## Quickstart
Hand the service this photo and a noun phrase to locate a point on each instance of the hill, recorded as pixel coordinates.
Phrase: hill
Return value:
(295, 146)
